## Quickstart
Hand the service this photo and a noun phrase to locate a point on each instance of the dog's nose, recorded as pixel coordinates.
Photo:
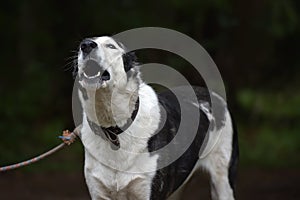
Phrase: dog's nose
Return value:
(87, 46)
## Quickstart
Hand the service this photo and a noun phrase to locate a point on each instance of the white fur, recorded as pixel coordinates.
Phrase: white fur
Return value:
(216, 163)
(128, 172)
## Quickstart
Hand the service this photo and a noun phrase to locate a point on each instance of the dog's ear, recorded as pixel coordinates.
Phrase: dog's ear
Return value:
(129, 60)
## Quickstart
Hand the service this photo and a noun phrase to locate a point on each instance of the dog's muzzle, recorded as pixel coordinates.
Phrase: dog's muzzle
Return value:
(93, 73)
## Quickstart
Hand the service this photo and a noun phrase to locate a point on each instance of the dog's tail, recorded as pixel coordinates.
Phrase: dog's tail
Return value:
(233, 165)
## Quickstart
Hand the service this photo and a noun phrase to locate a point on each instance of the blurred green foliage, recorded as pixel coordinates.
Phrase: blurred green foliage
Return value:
(254, 43)
(271, 136)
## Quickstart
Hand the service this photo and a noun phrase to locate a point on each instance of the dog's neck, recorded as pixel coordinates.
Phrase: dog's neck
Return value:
(107, 107)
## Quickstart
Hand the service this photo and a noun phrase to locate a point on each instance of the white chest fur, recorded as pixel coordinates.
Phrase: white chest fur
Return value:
(128, 172)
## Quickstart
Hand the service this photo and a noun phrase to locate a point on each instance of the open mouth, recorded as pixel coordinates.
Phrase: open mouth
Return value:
(93, 74)
(105, 76)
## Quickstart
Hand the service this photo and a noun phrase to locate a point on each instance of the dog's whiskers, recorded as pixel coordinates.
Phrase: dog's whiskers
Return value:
(72, 62)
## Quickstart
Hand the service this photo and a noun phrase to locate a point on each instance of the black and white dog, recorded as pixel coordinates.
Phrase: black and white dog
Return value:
(125, 123)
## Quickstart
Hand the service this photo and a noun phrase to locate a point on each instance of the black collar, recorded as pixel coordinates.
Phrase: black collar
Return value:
(111, 133)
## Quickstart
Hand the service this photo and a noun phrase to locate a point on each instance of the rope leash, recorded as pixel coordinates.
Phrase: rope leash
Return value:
(67, 137)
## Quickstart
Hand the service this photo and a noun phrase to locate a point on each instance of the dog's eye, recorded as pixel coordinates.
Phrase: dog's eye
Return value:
(111, 46)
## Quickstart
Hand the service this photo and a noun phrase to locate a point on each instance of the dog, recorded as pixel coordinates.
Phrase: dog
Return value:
(125, 123)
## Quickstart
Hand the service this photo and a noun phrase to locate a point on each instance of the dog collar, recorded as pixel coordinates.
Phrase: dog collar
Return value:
(111, 133)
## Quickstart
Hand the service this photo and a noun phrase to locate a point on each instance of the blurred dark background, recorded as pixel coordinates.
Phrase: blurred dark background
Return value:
(255, 45)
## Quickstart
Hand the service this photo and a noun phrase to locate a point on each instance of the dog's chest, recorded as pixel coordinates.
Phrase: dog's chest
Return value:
(129, 171)
(126, 178)
(115, 174)
(111, 183)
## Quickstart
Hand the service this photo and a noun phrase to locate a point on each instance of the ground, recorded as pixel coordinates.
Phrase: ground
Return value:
(252, 184)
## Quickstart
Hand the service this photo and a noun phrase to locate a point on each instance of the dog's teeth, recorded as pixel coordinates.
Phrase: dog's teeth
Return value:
(98, 74)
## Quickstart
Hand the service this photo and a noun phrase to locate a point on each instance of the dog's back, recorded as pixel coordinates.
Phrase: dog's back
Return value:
(178, 172)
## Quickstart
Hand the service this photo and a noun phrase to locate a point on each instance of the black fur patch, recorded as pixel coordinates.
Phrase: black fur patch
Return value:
(171, 177)
(129, 60)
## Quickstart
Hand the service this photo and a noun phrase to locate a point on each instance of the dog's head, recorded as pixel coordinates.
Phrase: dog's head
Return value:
(104, 63)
